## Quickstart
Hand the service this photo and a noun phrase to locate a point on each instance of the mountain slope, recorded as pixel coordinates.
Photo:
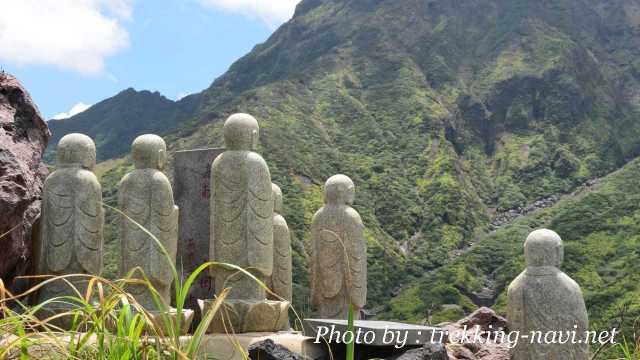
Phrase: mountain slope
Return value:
(599, 226)
(443, 112)
(114, 123)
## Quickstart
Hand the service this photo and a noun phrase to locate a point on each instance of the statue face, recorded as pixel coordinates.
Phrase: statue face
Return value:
(339, 190)
(76, 150)
(543, 248)
(149, 152)
(241, 132)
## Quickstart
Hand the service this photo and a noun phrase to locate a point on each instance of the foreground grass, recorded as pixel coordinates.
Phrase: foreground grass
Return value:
(105, 322)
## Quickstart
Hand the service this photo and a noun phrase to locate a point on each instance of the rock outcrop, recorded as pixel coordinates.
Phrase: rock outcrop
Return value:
(485, 320)
(23, 139)
(430, 351)
(268, 350)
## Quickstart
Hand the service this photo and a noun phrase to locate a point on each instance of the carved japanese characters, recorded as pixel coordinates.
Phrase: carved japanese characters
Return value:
(241, 211)
(543, 298)
(339, 253)
(281, 279)
(145, 196)
(72, 217)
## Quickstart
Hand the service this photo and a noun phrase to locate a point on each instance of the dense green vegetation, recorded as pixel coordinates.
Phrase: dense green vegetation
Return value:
(601, 230)
(443, 113)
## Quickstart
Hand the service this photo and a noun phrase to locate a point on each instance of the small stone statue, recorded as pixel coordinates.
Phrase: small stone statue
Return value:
(543, 298)
(241, 211)
(339, 253)
(281, 280)
(72, 218)
(145, 196)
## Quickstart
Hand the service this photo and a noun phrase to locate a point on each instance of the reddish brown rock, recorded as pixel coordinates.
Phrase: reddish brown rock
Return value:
(23, 139)
(461, 344)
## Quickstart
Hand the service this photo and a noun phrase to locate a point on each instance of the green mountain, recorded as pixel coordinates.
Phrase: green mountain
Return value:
(115, 122)
(446, 114)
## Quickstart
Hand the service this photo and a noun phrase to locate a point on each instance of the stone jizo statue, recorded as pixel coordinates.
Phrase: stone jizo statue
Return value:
(72, 218)
(281, 279)
(241, 211)
(543, 298)
(339, 253)
(145, 196)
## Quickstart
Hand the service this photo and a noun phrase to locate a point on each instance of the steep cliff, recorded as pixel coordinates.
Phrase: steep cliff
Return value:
(23, 139)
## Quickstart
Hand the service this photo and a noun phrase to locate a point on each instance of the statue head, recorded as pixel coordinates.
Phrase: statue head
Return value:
(149, 152)
(76, 150)
(543, 248)
(241, 132)
(339, 190)
(277, 198)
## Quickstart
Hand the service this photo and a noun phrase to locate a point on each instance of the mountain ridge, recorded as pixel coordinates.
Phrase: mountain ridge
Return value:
(113, 122)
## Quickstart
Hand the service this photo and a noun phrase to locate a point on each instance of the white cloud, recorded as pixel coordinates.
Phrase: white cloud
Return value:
(75, 109)
(181, 95)
(273, 12)
(72, 34)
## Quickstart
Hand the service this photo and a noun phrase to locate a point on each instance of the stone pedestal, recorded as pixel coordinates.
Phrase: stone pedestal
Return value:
(374, 339)
(191, 192)
(60, 316)
(157, 320)
(226, 347)
(213, 346)
(187, 319)
(243, 316)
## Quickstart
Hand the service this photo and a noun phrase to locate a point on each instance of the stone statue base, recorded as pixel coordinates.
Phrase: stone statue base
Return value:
(243, 316)
(62, 317)
(218, 346)
(159, 322)
(223, 346)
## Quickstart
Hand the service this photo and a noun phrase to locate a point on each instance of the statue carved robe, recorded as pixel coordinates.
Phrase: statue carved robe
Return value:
(339, 253)
(281, 279)
(146, 197)
(542, 299)
(241, 211)
(72, 218)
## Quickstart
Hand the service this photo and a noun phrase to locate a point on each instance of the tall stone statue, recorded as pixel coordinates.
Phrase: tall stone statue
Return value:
(72, 218)
(339, 253)
(281, 279)
(241, 211)
(145, 196)
(543, 298)
(242, 233)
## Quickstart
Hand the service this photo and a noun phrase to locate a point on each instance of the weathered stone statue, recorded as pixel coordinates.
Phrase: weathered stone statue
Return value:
(281, 279)
(72, 218)
(339, 253)
(242, 232)
(543, 298)
(145, 196)
(242, 211)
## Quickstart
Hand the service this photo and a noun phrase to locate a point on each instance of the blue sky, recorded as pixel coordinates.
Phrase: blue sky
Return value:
(74, 53)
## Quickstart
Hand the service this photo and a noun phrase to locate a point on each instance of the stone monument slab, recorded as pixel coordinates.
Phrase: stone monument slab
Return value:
(192, 173)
